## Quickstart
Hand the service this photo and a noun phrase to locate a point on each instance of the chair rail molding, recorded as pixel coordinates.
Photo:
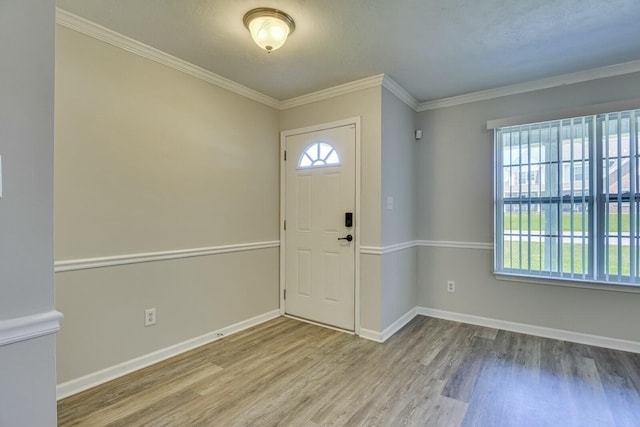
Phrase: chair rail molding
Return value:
(27, 327)
(136, 258)
(383, 250)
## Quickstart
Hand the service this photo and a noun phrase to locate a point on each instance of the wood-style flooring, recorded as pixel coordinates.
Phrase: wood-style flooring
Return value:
(431, 373)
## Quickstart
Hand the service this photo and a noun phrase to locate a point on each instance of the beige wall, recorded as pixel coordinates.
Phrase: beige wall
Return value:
(455, 196)
(151, 159)
(27, 368)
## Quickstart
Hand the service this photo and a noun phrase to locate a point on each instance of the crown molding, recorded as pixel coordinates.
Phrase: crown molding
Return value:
(550, 82)
(96, 31)
(343, 89)
(91, 29)
(400, 93)
(587, 110)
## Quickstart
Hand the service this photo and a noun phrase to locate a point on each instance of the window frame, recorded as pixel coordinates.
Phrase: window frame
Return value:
(597, 202)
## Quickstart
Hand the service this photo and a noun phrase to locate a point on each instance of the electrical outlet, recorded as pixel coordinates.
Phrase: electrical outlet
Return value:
(150, 316)
(451, 286)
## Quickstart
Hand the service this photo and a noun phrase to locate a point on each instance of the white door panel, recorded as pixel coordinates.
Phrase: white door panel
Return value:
(320, 189)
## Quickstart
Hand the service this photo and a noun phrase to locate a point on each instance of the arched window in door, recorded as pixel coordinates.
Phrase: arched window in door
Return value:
(318, 154)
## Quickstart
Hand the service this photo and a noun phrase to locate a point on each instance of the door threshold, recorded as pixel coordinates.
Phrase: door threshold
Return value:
(324, 325)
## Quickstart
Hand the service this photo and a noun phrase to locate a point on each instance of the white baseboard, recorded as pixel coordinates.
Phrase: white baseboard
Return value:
(558, 334)
(96, 378)
(381, 337)
(399, 324)
(370, 334)
(91, 380)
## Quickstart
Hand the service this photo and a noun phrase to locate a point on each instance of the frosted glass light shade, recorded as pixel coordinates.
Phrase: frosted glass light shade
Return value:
(269, 27)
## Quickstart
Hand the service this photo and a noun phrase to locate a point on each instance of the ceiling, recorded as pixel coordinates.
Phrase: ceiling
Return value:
(433, 48)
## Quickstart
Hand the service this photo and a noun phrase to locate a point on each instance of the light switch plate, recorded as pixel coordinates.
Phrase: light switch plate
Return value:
(389, 203)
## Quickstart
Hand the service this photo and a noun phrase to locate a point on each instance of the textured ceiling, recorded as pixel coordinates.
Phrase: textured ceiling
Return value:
(432, 48)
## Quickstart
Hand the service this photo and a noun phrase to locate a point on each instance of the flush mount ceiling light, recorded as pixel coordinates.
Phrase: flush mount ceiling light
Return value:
(269, 27)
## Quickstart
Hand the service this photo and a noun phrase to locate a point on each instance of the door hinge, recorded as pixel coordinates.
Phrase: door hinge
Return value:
(285, 225)
(285, 294)
(285, 155)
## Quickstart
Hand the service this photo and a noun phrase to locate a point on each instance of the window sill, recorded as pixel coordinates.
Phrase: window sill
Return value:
(570, 283)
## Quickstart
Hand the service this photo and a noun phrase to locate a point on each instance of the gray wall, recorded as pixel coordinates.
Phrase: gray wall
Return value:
(27, 368)
(399, 290)
(103, 308)
(367, 105)
(388, 282)
(399, 224)
(399, 171)
(26, 135)
(455, 196)
(150, 159)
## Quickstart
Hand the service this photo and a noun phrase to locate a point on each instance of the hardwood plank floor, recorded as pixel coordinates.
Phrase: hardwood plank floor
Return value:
(431, 373)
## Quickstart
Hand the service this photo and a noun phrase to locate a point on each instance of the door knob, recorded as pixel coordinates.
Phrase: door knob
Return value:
(348, 238)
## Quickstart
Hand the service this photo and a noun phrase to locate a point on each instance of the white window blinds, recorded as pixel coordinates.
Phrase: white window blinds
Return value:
(567, 198)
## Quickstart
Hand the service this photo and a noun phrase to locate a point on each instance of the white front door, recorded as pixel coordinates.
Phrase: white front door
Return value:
(319, 196)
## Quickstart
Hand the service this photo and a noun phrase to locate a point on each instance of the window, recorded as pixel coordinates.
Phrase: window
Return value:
(318, 154)
(568, 199)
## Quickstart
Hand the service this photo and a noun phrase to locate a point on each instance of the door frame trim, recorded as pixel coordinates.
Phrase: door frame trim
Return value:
(283, 138)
